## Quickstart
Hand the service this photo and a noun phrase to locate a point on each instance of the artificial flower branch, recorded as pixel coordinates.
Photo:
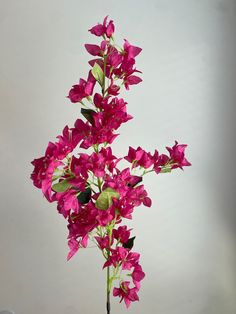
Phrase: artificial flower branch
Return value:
(90, 190)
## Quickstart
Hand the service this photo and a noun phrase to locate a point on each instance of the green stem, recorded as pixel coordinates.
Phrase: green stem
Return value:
(104, 77)
(99, 185)
(148, 171)
(108, 291)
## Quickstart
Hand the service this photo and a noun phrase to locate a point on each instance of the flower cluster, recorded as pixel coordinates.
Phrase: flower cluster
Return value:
(91, 192)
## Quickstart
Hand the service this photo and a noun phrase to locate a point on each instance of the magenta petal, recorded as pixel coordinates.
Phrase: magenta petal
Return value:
(127, 302)
(74, 246)
(134, 51)
(185, 162)
(147, 202)
(94, 50)
(137, 284)
(106, 264)
(97, 30)
(105, 21)
(84, 241)
(133, 80)
(138, 274)
(89, 88)
(116, 292)
(110, 29)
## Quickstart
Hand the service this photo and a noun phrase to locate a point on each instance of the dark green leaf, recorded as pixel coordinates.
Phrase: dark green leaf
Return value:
(129, 244)
(88, 114)
(84, 197)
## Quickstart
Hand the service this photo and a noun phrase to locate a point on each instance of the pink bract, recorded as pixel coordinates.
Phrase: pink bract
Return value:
(126, 294)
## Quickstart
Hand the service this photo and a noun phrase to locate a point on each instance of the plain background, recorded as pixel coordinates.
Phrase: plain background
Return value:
(187, 239)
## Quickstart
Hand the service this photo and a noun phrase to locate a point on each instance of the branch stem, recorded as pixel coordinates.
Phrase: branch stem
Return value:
(108, 291)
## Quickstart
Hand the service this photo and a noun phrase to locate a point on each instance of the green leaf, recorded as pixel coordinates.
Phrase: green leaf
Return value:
(104, 200)
(88, 114)
(61, 186)
(166, 169)
(98, 73)
(129, 244)
(56, 174)
(84, 197)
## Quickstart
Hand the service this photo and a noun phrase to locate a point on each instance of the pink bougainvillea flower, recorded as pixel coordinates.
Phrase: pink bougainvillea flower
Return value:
(126, 72)
(131, 260)
(79, 167)
(74, 246)
(122, 256)
(125, 293)
(39, 172)
(105, 122)
(101, 161)
(104, 242)
(103, 29)
(126, 68)
(84, 129)
(131, 195)
(47, 182)
(137, 276)
(114, 58)
(119, 181)
(84, 222)
(122, 234)
(138, 273)
(131, 51)
(104, 217)
(110, 160)
(99, 133)
(69, 139)
(97, 163)
(159, 161)
(177, 155)
(118, 255)
(139, 157)
(44, 168)
(139, 195)
(67, 203)
(82, 90)
(99, 101)
(132, 80)
(124, 208)
(113, 116)
(146, 161)
(113, 89)
(134, 155)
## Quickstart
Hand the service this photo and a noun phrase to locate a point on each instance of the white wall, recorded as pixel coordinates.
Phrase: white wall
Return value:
(187, 239)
